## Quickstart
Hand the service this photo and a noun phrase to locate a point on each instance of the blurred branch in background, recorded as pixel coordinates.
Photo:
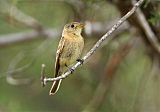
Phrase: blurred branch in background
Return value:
(97, 28)
(9, 10)
(12, 71)
(96, 46)
(141, 22)
(10, 39)
(109, 72)
(147, 30)
(12, 13)
(149, 75)
(90, 28)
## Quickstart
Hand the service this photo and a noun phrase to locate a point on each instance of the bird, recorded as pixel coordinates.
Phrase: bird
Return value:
(68, 52)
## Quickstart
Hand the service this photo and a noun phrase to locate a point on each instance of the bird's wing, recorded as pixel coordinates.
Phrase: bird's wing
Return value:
(58, 53)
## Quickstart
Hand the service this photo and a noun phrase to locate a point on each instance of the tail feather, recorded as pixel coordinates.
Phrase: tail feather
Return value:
(55, 87)
(56, 84)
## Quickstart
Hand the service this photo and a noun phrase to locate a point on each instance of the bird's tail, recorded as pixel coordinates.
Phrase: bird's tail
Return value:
(55, 87)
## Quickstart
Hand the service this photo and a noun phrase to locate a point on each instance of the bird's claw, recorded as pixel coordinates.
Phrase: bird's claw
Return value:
(80, 60)
(72, 70)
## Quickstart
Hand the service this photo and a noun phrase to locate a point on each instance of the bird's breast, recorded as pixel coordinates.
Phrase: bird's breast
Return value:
(72, 50)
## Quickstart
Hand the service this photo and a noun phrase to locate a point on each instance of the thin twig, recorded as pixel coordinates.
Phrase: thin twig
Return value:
(43, 75)
(99, 43)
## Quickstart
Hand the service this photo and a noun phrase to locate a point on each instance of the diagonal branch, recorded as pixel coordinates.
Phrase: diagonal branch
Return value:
(97, 45)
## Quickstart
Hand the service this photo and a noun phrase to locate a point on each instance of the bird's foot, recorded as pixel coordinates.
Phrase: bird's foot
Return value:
(80, 60)
(72, 70)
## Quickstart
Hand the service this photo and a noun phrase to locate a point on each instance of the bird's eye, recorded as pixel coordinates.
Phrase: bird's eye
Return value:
(72, 26)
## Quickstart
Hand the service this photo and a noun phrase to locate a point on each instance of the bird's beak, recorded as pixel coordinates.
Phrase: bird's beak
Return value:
(81, 25)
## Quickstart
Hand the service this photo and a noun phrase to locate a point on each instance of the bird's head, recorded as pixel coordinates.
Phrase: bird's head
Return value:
(74, 27)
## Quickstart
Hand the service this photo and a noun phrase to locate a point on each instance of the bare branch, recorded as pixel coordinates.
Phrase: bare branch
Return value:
(96, 46)
(43, 75)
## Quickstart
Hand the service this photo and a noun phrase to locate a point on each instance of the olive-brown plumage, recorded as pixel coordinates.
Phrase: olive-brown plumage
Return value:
(69, 50)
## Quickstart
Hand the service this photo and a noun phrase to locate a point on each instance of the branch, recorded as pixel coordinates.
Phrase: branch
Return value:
(98, 44)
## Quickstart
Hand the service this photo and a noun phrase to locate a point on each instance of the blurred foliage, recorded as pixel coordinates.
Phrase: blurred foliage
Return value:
(155, 19)
(77, 90)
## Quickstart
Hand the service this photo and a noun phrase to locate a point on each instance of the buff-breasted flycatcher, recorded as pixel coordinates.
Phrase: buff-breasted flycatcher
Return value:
(69, 50)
